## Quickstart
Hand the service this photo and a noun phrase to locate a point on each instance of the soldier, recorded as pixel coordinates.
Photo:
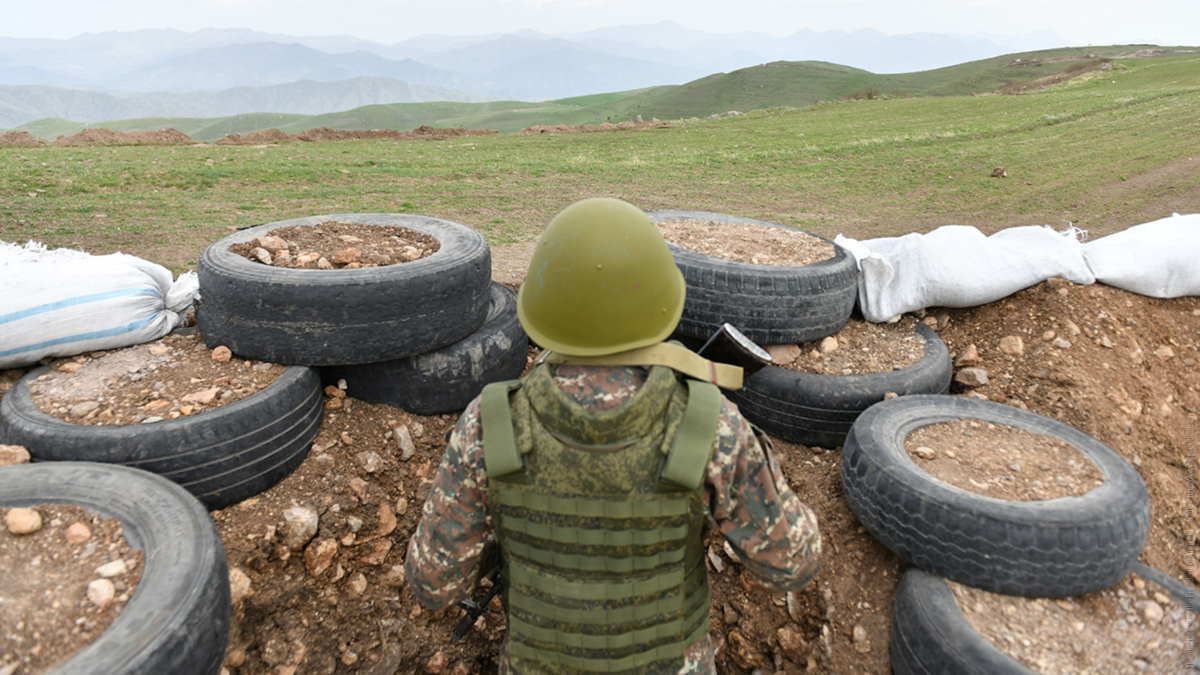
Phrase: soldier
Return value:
(596, 481)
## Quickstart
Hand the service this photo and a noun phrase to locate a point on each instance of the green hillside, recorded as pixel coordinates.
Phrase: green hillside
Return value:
(791, 84)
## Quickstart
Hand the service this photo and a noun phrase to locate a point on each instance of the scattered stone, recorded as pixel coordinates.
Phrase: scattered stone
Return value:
(790, 640)
(714, 559)
(319, 555)
(1164, 352)
(240, 587)
(370, 461)
(262, 255)
(283, 259)
(221, 354)
(1048, 336)
(203, 396)
(889, 395)
(236, 658)
(401, 506)
(1072, 329)
(354, 522)
(275, 651)
(969, 357)
(347, 256)
(21, 520)
(378, 553)
(1105, 342)
(335, 392)
(299, 526)
(112, 569)
(357, 584)
(387, 520)
(69, 367)
(152, 420)
(308, 258)
(159, 350)
(858, 636)
(272, 243)
(999, 172)
(925, 452)
(77, 533)
(404, 438)
(101, 592)
(793, 606)
(828, 345)
(394, 577)
(82, 409)
(1012, 345)
(13, 454)
(971, 377)
(782, 354)
(436, 663)
(346, 438)
(323, 264)
(1061, 343)
(359, 487)
(1150, 610)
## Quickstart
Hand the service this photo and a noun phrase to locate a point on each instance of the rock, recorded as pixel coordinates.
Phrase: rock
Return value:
(77, 533)
(378, 553)
(793, 606)
(21, 520)
(346, 438)
(319, 555)
(112, 569)
(82, 409)
(410, 253)
(262, 255)
(323, 264)
(394, 577)
(1164, 352)
(858, 635)
(13, 454)
(357, 584)
(271, 243)
(299, 526)
(925, 452)
(101, 592)
(401, 506)
(889, 395)
(969, 357)
(359, 487)
(743, 652)
(203, 396)
(370, 461)
(335, 392)
(152, 420)
(307, 258)
(240, 587)
(404, 438)
(159, 350)
(782, 354)
(714, 559)
(999, 172)
(236, 658)
(354, 523)
(1048, 336)
(1105, 342)
(387, 520)
(69, 367)
(436, 663)
(275, 651)
(1061, 343)
(221, 354)
(1012, 345)
(971, 377)
(347, 256)
(1071, 328)
(828, 345)
(790, 640)
(1150, 610)
(283, 259)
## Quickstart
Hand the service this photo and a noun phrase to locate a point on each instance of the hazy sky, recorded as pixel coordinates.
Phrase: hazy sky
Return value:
(1078, 22)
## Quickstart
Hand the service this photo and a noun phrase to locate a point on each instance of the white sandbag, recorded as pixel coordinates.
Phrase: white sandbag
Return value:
(63, 302)
(958, 266)
(1160, 259)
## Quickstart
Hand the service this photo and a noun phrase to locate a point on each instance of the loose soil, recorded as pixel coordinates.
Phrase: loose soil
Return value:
(337, 245)
(747, 242)
(166, 379)
(110, 137)
(45, 614)
(1131, 628)
(862, 348)
(996, 460)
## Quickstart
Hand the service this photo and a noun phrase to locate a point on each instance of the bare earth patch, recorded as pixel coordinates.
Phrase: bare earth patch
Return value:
(1130, 628)
(337, 245)
(860, 348)
(1000, 461)
(166, 379)
(747, 242)
(47, 613)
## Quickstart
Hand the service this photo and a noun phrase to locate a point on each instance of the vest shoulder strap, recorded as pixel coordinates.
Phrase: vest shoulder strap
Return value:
(500, 454)
(688, 456)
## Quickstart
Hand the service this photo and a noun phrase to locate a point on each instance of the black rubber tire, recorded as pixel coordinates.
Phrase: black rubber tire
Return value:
(818, 410)
(337, 317)
(445, 380)
(222, 456)
(178, 618)
(1050, 548)
(930, 635)
(770, 304)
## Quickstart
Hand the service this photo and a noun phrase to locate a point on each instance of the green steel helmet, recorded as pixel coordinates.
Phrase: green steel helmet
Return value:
(601, 281)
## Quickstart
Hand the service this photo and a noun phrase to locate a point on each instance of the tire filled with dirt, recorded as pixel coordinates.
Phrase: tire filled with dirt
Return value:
(177, 620)
(770, 304)
(1039, 548)
(818, 409)
(324, 317)
(445, 380)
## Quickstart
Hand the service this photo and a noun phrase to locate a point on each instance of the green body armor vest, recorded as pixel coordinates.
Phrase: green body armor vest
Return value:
(599, 517)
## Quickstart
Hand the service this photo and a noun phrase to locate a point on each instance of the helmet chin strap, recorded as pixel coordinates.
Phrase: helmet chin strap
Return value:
(669, 354)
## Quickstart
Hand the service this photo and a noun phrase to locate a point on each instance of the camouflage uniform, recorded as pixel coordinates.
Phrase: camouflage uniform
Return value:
(772, 532)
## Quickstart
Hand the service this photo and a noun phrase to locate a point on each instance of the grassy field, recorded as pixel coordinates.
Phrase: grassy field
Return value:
(1104, 151)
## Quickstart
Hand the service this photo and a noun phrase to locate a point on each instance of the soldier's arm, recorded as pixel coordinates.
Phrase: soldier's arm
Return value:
(445, 551)
(773, 533)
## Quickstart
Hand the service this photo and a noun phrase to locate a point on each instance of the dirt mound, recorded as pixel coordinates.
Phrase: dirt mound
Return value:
(89, 137)
(20, 139)
(605, 126)
(256, 138)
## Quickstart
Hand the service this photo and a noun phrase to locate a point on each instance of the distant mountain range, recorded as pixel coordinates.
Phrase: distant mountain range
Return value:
(153, 73)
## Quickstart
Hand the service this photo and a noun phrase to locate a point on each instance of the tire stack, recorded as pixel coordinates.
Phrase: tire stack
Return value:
(775, 304)
(1050, 548)
(424, 336)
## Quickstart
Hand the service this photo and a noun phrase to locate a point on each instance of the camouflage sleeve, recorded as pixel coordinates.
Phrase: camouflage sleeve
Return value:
(773, 533)
(445, 551)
